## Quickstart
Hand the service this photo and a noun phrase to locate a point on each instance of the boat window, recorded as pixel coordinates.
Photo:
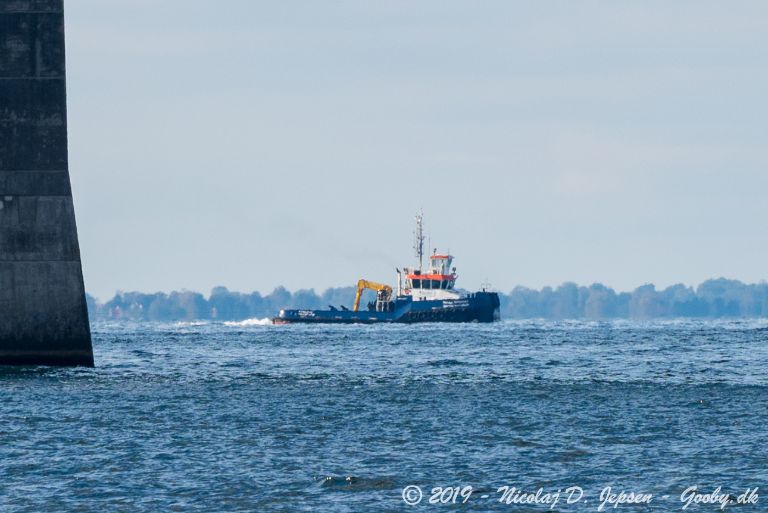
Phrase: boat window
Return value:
(416, 284)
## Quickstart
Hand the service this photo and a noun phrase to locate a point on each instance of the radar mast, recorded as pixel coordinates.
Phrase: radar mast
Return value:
(418, 240)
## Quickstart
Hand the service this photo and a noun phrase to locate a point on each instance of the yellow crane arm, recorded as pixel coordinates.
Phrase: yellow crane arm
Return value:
(365, 284)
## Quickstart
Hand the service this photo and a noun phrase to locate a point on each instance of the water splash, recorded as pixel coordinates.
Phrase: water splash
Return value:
(251, 322)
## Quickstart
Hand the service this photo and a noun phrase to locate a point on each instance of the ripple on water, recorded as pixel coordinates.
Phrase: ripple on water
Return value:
(252, 417)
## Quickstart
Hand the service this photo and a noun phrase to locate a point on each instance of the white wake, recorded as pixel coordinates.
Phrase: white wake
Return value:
(250, 322)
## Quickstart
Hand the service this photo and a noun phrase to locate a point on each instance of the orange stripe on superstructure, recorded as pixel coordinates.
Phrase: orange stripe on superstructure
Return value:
(441, 277)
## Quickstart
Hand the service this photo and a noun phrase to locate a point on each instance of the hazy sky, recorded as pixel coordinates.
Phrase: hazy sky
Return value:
(252, 144)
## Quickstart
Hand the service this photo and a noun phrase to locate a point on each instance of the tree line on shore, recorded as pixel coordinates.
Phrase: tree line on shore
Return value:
(712, 299)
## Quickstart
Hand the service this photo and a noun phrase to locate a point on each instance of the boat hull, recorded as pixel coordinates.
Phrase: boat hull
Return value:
(476, 307)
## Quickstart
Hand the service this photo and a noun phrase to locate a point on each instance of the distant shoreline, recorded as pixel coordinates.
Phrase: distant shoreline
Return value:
(716, 298)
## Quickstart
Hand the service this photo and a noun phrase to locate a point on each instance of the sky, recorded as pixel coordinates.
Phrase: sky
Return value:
(253, 144)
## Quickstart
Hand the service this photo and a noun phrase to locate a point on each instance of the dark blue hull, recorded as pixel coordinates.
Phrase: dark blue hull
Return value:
(477, 307)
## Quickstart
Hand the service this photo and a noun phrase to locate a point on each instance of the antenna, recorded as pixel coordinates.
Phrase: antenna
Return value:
(418, 239)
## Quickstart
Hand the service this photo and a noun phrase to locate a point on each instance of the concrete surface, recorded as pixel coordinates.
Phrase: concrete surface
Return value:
(43, 315)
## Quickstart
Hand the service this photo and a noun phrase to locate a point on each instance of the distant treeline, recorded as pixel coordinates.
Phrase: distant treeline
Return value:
(222, 304)
(712, 299)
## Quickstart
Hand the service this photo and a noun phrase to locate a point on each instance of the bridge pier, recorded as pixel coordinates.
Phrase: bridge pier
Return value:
(43, 315)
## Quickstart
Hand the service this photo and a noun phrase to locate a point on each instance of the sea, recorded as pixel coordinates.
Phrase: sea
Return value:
(515, 416)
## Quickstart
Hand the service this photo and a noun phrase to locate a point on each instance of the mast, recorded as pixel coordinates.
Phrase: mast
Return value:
(418, 241)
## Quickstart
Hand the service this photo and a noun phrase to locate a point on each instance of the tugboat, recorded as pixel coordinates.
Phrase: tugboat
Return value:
(423, 295)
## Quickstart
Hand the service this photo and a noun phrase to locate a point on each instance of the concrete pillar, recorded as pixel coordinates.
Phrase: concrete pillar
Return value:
(43, 316)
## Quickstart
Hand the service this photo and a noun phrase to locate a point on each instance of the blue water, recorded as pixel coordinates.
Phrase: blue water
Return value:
(247, 417)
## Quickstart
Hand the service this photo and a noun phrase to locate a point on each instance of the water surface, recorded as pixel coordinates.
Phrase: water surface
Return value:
(214, 417)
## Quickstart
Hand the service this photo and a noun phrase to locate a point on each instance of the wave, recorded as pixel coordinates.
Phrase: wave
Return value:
(266, 321)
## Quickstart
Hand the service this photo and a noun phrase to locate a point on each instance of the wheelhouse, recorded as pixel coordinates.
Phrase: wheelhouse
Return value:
(440, 276)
